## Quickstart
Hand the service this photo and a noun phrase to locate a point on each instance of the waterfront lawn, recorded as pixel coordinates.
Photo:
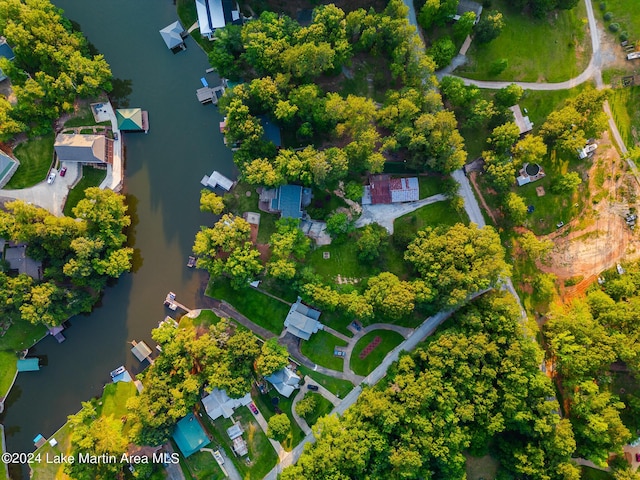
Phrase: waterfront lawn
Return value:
(36, 157)
(268, 410)
(365, 366)
(202, 466)
(238, 203)
(188, 16)
(323, 407)
(552, 49)
(91, 177)
(436, 214)
(114, 398)
(84, 116)
(43, 470)
(8, 368)
(625, 106)
(258, 307)
(340, 388)
(206, 318)
(319, 349)
(21, 335)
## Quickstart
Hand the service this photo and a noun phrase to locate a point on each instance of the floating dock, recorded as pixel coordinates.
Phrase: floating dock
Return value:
(191, 262)
(208, 94)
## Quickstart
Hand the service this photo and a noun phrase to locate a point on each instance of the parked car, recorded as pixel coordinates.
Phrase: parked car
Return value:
(637, 457)
(253, 408)
(52, 177)
(63, 172)
(312, 387)
(560, 224)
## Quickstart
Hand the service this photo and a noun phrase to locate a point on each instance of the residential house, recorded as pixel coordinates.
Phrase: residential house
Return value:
(302, 321)
(288, 200)
(214, 14)
(75, 147)
(285, 381)
(383, 189)
(524, 124)
(218, 404)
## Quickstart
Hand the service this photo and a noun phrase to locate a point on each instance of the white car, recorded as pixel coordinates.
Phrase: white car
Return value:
(52, 177)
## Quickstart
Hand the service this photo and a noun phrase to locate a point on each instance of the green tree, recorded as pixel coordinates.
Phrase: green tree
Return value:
(306, 406)
(242, 265)
(442, 51)
(462, 28)
(273, 357)
(279, 427)
(489, 27)
(516, 208)
(372, 239)
(500, 169)
(504, 136)
(339, 224)
(288, 247)
(530, 149)
(392, 297)
(210, 202)
(458, 261)
(225, 52)
(509, 95)
(536, 249)
(567, 183)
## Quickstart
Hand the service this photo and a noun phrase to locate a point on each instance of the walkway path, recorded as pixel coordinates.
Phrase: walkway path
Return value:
(299, 420)
(336, 333)
(384, 215)
(229, 471)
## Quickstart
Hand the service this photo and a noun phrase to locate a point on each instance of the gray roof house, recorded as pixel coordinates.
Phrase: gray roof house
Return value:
(285, 381)
(302, 321)
(83, 148)
(465, 6)
(524, 124)
(219, 404)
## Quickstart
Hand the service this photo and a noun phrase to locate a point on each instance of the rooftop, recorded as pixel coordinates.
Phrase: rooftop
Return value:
(189, 435)
(130, 119)
(383, 189)
(83, 148)
(302, 321)
(289, 201)
(285, 381)
(219, 404)
(172, 34)
(523, 123)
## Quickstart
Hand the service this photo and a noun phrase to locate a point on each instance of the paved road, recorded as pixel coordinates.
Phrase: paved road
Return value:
(298, 419)
(470, 203)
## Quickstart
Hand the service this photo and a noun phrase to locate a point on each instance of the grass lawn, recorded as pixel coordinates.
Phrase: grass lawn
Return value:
(91, 177)
(588, 473)
(206, 318)
(626, 13)
(337, 386)
(343, 261)
(114, 398)
(625, 106)
(36, 157)
(365, 366)
(237, 203)
(540, 104)
(258, 307)
(430, 185)
(261, 453)
(202, 466)
(323, 407)
(268, 410)
(323, 204)
(21, 335)
(319, 349)
(481, 467)
(439, 213)
(84, 117)
(368, 79)
(550, 50)
(8, 367)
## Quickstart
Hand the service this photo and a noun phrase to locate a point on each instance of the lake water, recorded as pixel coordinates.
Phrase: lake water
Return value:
(163, 172)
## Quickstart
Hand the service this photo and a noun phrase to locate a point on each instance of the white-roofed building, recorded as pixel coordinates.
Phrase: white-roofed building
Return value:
(285, 381)
(524, 124)
(302, 321)
(214, 14)
(216, 179)
(219, 404)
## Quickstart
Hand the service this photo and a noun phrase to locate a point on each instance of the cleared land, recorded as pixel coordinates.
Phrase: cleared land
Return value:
(545, 50)
(36, 156)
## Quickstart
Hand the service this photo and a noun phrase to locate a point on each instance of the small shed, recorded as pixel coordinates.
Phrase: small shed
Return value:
(141, 351)
(28, 365)
(235, 431)
(173, 35)
(524, 124)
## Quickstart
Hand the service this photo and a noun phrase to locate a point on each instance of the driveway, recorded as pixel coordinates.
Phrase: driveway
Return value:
(50, 197)
(384, 215)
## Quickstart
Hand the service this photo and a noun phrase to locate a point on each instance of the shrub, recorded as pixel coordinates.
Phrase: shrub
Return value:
(603, 6)
(442, 52)
(614, 27)
(353, 191)
(624, 36)
(499, 66)
(608, 16)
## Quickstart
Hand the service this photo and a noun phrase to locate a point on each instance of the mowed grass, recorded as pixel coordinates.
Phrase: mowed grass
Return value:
(430, 185)
(257, 307)
(553, 49)
(36, 157)
(323, 407)
(539, 104)
(206, 318)
(83, 117)
(319, 349)
(365, 366)
(436, 214)
(21, 335)
(8, 368)
(202, 466)
(625, 13)
(340, 388)
(625, 106)
(91, 177)
(268, 410)
(588, 473)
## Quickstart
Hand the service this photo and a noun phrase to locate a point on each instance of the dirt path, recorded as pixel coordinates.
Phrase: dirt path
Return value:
(472, 179)
(600, 237)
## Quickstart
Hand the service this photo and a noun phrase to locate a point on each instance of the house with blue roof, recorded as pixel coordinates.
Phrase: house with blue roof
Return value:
(288, 200)
(5, 52)
(8, 167)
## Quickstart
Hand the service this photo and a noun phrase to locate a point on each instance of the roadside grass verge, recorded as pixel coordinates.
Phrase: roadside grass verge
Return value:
(268, 410)
(340, 388)
(625, 106)
(319, 349)
(91, 177)
(537, 50)
(323, 407)
(256, 306)
(36, 157)
(8, 368)
(365, 366)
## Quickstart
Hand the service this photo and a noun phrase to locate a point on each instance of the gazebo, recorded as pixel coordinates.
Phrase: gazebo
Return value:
(172, 35)
(132, 119)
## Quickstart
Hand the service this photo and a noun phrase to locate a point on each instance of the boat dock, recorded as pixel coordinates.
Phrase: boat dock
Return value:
(216, 179)
(141, 351)
(56, 332)
(191, 262)
(172, 304)
(208, 94)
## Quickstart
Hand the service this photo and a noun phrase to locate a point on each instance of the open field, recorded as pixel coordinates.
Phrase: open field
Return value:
(8, 367)
(625, 13)
(36, 157)
(625, 106)
(545, 50)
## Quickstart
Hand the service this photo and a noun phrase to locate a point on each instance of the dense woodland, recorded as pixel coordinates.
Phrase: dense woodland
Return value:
(53, 66)
(79, 255)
